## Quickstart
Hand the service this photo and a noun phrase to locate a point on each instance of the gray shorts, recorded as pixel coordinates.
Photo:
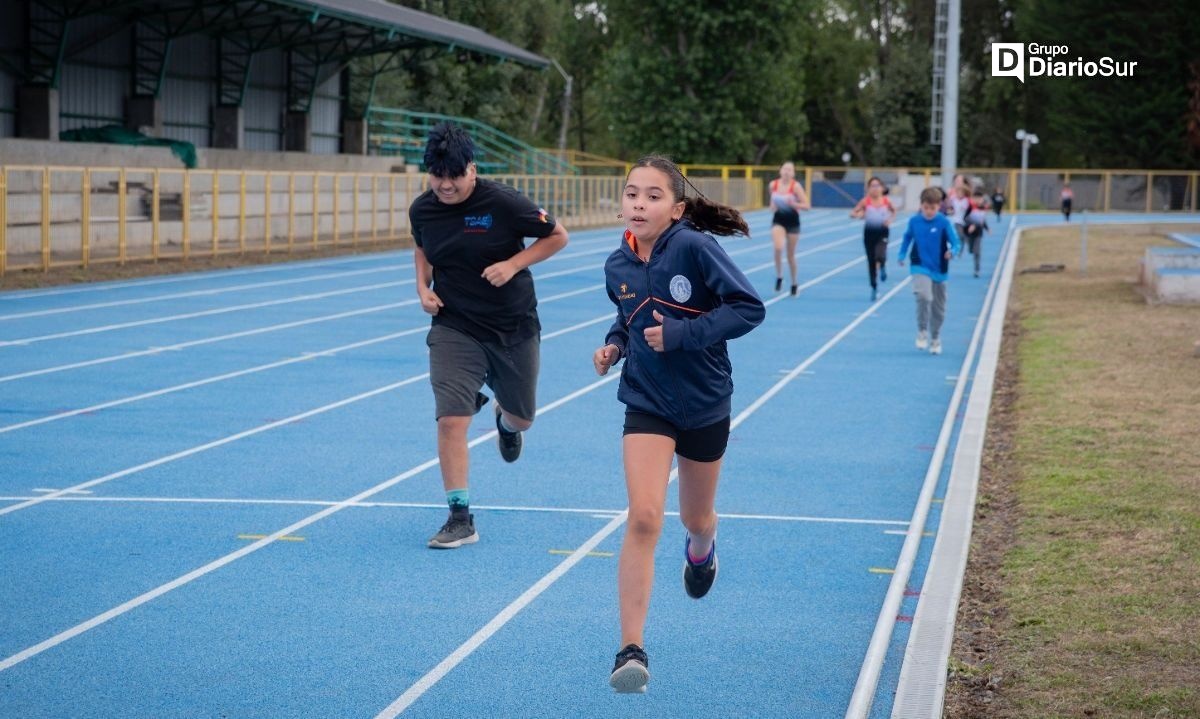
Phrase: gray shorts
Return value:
(459, 366)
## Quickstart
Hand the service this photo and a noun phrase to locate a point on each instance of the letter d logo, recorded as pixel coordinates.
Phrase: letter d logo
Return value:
(1008, 60)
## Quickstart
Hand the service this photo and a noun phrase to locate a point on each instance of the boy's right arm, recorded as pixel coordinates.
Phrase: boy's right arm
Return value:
(908, 238)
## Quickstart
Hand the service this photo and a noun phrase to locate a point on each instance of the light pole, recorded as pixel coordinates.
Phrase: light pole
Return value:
(1027, 139)
(568, 81)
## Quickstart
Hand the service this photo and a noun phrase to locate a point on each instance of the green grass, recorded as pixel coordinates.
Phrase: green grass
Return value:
(1103, 585)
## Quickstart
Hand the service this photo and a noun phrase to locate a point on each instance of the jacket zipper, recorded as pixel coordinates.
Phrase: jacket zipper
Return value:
(670, 371)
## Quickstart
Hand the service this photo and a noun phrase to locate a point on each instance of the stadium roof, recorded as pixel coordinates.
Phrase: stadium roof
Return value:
(413, 23)
(334, 30)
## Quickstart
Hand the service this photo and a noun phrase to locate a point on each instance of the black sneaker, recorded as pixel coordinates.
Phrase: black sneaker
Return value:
(778, 284)
(795, 289)
(698, 578)
(456, 532)
(631, 671)
(509, 442)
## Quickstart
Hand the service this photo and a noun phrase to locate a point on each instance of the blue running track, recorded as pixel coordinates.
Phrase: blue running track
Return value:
(216, 489)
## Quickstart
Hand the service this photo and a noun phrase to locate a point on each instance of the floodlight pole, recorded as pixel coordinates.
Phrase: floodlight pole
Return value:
(1027, 139)
(562, 133)
(950, 95)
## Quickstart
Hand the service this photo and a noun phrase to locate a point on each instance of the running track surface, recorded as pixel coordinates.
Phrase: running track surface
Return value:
(216, 491)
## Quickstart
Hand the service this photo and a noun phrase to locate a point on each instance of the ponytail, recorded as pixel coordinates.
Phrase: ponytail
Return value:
(713, 217)
(707, 215)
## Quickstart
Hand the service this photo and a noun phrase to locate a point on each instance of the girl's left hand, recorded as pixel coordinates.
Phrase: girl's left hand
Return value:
(654, 335)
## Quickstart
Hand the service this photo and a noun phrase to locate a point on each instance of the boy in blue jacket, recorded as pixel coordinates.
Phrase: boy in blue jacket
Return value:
(933, 241)
(679, 298)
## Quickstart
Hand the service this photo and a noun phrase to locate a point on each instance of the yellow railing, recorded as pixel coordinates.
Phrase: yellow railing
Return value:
(80, 216)
(1095, 190)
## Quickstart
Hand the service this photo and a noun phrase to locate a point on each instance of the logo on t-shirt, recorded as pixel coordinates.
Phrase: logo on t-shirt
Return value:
(477, 223)
(625, 294)
(543, 215)
(681, 288)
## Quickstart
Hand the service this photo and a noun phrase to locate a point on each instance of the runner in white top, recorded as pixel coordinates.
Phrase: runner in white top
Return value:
(788, 198)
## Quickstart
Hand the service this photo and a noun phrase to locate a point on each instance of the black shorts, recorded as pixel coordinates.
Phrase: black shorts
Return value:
(704, 444)
(789, 220)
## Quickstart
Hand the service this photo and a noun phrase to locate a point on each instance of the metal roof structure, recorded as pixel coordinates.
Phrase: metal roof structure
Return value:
(321, 31)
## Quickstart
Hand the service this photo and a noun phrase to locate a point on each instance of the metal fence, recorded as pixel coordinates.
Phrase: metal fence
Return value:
(76, 216)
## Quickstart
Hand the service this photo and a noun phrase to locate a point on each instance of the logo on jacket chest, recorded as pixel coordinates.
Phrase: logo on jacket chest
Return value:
(624, 293)
(681, 288)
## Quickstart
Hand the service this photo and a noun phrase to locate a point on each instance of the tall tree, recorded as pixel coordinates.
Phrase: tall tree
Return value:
(1126, 122)
(706, 81)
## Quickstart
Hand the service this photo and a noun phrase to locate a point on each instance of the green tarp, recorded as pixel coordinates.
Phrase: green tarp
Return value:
(117, 135)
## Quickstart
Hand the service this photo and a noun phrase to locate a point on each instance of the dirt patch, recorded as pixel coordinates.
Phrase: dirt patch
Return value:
(976, 663)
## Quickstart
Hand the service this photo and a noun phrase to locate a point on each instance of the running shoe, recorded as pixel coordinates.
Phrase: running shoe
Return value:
(922, 340)
(935, 347)
(698, 578)
(873, 294)
(778, 284)
(509, 442)
(456, 532)
(882, 273)
(795, 289)
(631, 671)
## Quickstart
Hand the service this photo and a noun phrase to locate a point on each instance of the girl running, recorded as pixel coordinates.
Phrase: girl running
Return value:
(679, 299)
(1067, 196)
(788, 198)
(878, 212)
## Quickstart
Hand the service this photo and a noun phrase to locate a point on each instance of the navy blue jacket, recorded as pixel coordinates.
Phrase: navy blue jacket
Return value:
(704, 300)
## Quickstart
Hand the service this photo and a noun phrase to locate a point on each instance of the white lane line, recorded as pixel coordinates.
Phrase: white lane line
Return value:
(325, 318)
(605, 513)
(868, 676)
(194, 276)
(303, 357)
(203, 293)
(921, 688)
(117, 611)
(204, 341)
(286, 300)
(263, 428)
(207, 313)
(215, 443)
(265, 541)
(444, 667)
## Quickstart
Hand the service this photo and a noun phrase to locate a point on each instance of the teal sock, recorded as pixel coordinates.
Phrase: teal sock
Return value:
(458, 499)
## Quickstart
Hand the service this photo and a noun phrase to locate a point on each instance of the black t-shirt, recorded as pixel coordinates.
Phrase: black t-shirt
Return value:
(461, 240)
